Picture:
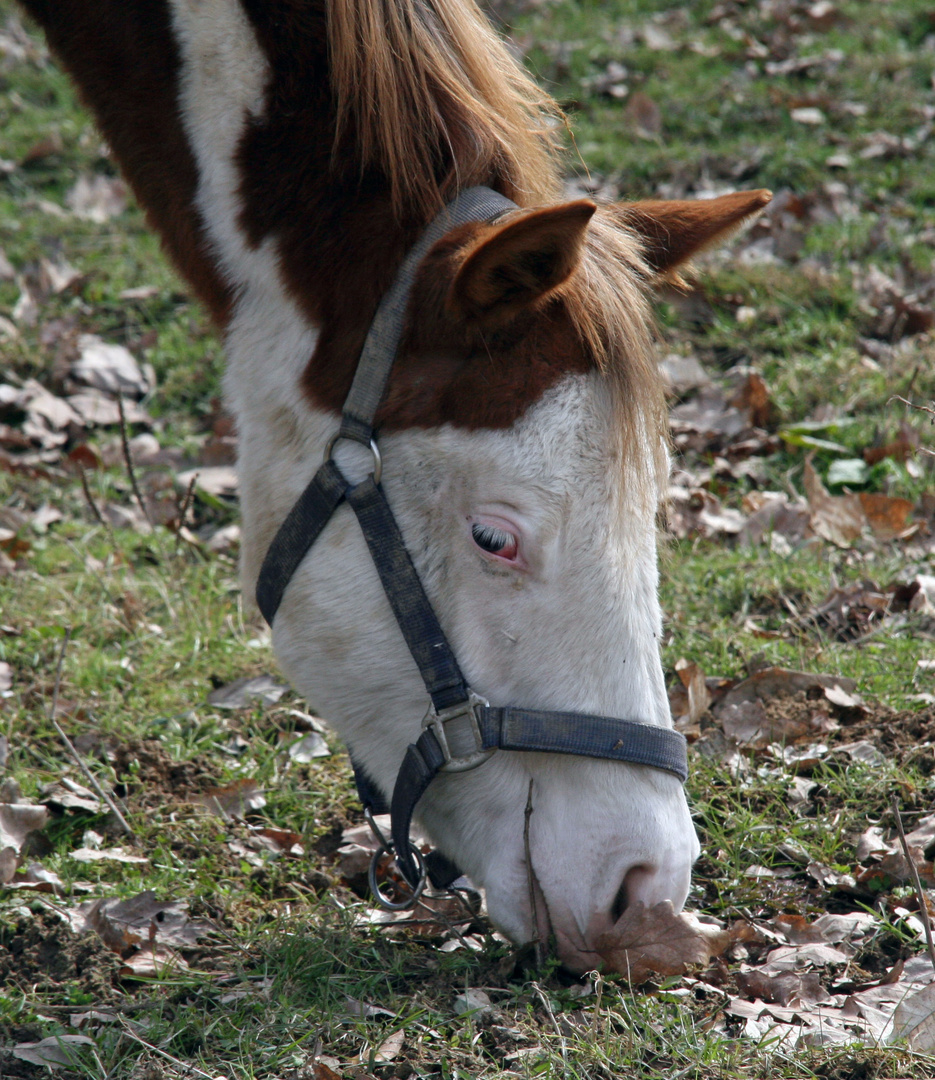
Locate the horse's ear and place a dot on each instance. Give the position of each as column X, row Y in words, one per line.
column 517, row 262
column 672, row 232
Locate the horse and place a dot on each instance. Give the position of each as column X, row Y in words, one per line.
column 290, row 153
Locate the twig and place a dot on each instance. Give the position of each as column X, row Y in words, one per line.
column 923, row 906
column 128, row 458
column 558, row 1031
column 89, row 498
column 92, row 779
column 598, row 980
column 183, row 510
column 529, row 878
column 155, row 1049
column 930, row 409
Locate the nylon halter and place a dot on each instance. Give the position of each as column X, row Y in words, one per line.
column 461, row 730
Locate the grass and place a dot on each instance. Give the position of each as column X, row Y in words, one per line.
column 154, row 624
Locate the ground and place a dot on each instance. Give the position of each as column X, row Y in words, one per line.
column 225, row 933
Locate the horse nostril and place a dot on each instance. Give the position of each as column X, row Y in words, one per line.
column 633, row 885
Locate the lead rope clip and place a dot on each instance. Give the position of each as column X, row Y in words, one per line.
column 385, row 847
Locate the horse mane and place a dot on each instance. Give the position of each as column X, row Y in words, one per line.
column 433, row 97
column 427, row 92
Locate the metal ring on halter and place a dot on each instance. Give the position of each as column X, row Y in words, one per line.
column 374, row 450
column 384, row 901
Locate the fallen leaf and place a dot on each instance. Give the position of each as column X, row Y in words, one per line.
column 108, row 367
column 645, row 116
column 914, row 1021
column 837, row 518
column 114, row 854
column 65, row 794
column 795, row 989
column 17, row 821
column 697, row 697
column 475, row 1002
column 242, row 693
column 219, row 481
column 657, row 941
column 97, row 198
column 308, row 748
column 233, row 800
column 389, row 1049
column 54, row 1052
column 887, row 516
column 124, row 924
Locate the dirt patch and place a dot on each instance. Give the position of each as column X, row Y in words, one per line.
column 150, row 776
column 906, row 735
column 42, row 953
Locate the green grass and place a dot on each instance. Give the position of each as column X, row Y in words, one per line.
column 268, row 990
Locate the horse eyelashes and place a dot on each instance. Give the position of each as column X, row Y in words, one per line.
column 490, row 538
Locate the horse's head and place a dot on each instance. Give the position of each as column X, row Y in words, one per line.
column 524, row 457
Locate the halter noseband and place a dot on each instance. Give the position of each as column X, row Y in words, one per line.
column 461, row 730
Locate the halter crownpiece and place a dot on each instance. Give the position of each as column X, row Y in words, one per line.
column 461, row 730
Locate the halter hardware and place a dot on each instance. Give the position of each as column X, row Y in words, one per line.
column 458, row 727
column 461, row 730
column 371, row 444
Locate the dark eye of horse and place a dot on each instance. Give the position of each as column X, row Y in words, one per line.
column 491, row 539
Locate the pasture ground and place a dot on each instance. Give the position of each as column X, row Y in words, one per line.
column 832, row 106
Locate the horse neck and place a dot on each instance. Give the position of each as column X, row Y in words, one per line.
column 226, row 139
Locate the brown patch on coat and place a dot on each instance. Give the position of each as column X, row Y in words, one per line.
column 123, row 57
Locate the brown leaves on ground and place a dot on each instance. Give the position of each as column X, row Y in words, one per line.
column 648, row 941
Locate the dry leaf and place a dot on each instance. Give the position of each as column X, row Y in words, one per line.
column 243, row 693
column 152, row 962
column 54, row 1052
column 914, row 1021
column 97, row 198
column 114, row 854
column 887, row 516
column 66, row 794
column 17, row 821
column 645, row 116
column 217, row 480
column 697, row 697
column 108, row 367
column 125, row 924
column 390, row 1048
column 657, row 941
column 839, row 519
column 233, row 800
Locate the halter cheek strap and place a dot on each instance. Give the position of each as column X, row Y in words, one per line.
column 460, row 730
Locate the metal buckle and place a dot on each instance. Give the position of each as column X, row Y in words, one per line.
column 374, row 450
column 386, row 848
column 436, row 721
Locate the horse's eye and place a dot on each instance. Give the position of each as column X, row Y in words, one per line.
column 493, row 540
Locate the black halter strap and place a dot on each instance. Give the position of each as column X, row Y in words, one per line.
column 461, row 730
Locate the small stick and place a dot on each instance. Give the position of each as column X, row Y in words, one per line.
column 95, row 509
column 71, row 747
column 128, row 458
column 529, row 877
column 183, row 510
column 923, row 907
column 89, row 498
column 155, row 1049
column 558, row 1031
column 930, row 409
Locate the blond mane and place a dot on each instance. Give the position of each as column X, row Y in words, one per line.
column 411, row 76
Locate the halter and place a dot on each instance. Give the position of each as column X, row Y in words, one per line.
column 461, row 730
